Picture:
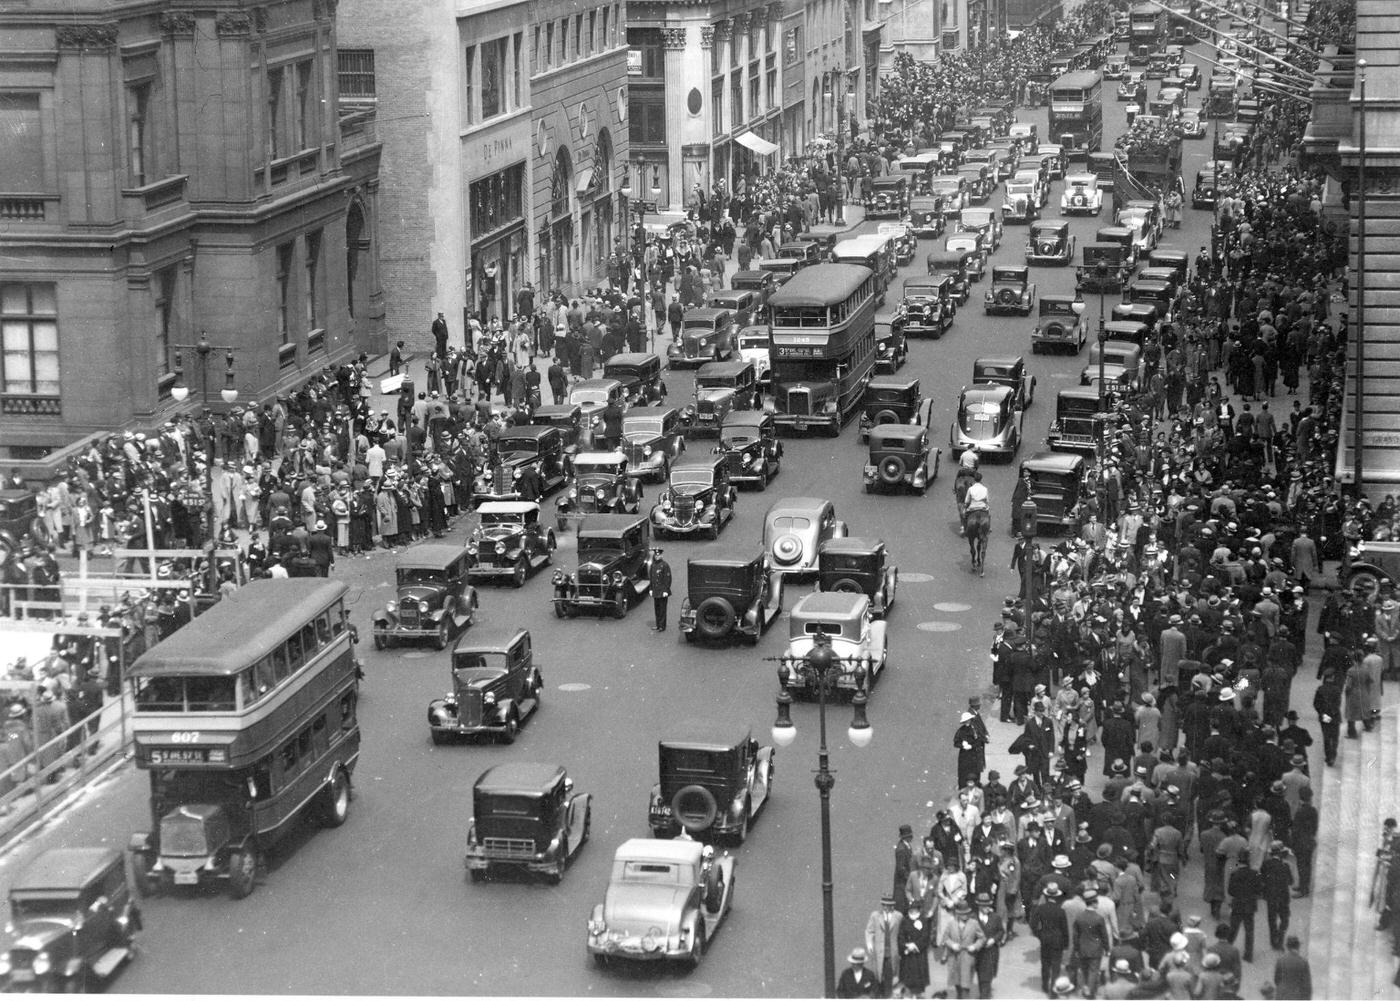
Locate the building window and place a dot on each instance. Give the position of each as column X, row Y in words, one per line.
column 22, row 151
column 646, row 118
column 497, row 201
column 29, row 340
column 165, row 319
column 312, row 289
column 792, row 47
column 755, row 106
column 493, row 65
column 140, row 134
column 605, row 40
column 469, row 86
column 771, row 73
column 274, row 114
column 284, row 292
column 579, row 43
column 355, row 69
column 736, row 100
column 950, row 39
column 517, row 100
column 717, row 106
column 592, row 45
column 306, row 107
column 548, row 45
column 536, row 56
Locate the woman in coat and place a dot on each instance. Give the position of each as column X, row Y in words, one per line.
column 959, row 941
column 913, row 952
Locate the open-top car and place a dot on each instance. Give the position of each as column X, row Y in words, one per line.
column 699, row 500
column 1082, row 195
column 927, row 307
column 710, row 788
column 891, row 347
column 1104, row 269
column 859, row 566
column 857, row 640
column 987, row 420
column 652, row 439
column 755, row 346
column 720, row 387
column 496, row 687
column 1007, row 370
column 901, row 458
column 640, row 375
column 526, row 816
column 794, row 529
column 890, row 399
column 974, row 251
column 1050, row 243
column 952, row 265
column 706, row 335
column 1012, row 292
column 1057, row 484
column 509, row 541
column 750, row 446
column 72, row 922
column 1060, row 326
column 614, row 566
column 665, row 901
column 516, row 448
column 433, row 599
column 984, row 221
column 600, row 483
column 725, row 597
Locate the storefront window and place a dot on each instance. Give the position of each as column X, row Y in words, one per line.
column 498, row 200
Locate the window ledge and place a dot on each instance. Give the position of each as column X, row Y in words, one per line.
column 286, row 355
column 31, row 406
column 316, row 340
column 159, row 193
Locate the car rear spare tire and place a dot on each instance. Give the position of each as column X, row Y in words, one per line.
column 1054, row 330
column 714, row 618
column 892, row 469
column 847, row 585
column 695, row 808
column 887, row 417
column 1007, row 296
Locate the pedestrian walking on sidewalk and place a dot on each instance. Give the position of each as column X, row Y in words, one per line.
column 1292, row 974
column 1327, row 701
column 1245, row 889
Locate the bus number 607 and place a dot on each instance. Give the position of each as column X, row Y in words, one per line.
column 185, row 737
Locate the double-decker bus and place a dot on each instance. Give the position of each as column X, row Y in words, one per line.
column 1076, row 113
column 243, row 719
column 823, row 345
column 1147, row 24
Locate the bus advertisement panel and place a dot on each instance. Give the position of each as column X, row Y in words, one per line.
column 823, row 345
column 1076, row 113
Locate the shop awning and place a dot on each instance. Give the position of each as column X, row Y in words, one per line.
column 585, row 180
column 758, row 144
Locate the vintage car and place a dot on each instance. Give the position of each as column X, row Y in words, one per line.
column 726, row 597
column 72, row 923
column 928, row 306
column 1012, row 292
column 1029, row 134
column 985, row 222
column 1115, row 67
column 859, row 566
column 700, row 498
column 496, row 687
column 950, row 265
column 991, row 159
column 952, row 190
column 888, row 197
column 1190, row 75
column 927, row 217
column 794, row 529
column 1054, row 161
column 902, row 238
column 1082, row 195
column 719, row 388
column 1102, row 165
column 760, row 283
column 1060, row 325
column 1103, row 269
column 652, row 438
column 1049, row 243
column 599, row 483
column 433, row 597
column 592, row 396
column 509, row 541
column 1124, row 237
column 781, row 268
column 1370, row 566
column 706, row 335
column 1057, row 483
column 856, row 638
column 988, row 420
column 517, row 447
column 1007, row 370
column 809, row 252
column 974, row 251
column 889, row 400
column 568, row 418
column 1073, row 429
column 1134, row 331
column 19, row 516
column 710, row 788
column 640, row 375
column 1129, row 84
column 891, row 347
column 901, row 458
column 749, row 443
column 980, row 181
column 614, row 566
column 1169, row 261
column 526, row 816
column 665, row 901
column 1221, row 99
column 743, row 303
column 1136, row 314
column 1122, row 364
column 1156, row 292
column 950, row 151
column 1213, row 175
column 1248, row 111
column 754, row 345
column 1192, row 123
column 1009, row 159
column 1022, row 202
column 1138, row 223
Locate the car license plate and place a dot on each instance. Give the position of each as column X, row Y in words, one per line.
column 800, row 425
column 21, row 976
column 186, row 879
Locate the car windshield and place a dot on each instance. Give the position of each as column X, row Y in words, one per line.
column 1052, row 308
column 409, row 576
column 590, row 546
column 754, row 342
column 642, row 425
column 703, row 324
column 597, row 468
column 977, row 217
column 512, row 806
column 521, row 444
column 475, row 660
column 830, row 628
column 991, row 373
column 716, row 381
column 502, row 518
column 23, row 909
column 583, row 396
column 692, row 477
column 1018, row 188
column 1011, row 276
column 738, row 437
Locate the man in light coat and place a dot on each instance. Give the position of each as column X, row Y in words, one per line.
column 959, row 941
column 881, row 943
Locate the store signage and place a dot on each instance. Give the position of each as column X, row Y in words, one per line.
column 634, row 62
column 501, row 147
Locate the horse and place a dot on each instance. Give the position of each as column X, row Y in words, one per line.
column 967, row 475
column 978, row 526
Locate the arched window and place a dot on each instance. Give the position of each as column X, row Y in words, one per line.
column 356, row 247
column 560, row 183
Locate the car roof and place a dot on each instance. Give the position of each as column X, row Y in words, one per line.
column 852, row 544
column 1078, row 178
column 1060, row 297
column 556, row 409
column 1114, row 231
column 639, row 357
column 797, row 505
column 986, row 392
column 661, row 411
column 64, row 869
column 1080, row 393
column 502, row 507
column 891, row 382
column 610, row 524
column 707, row 462
column 821, row 604
column 1053, row 462
column 899, row 432
column 519, row 777
column 889, row 181
column 707, row 736
column 599, row 457
column 1050, row 224
column 707, row 312
column 723, row 367
column 1010, row 361
column 659, row 850
column 596, row 383
column 747, row 418
column 1134, row 325
column 528, row 431
column 429, row 557
column 1020, row 269
column 489, row 639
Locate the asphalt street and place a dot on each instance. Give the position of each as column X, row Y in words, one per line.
column 381, row 905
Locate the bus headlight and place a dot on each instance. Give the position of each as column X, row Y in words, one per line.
column 43, row 963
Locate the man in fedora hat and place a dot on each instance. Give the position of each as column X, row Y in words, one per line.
column 1050, row 926
column 856, row 981
column 960, row 940
column 882, row 942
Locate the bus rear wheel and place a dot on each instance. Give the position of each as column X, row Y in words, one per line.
column 335, row 802
column 242, row 868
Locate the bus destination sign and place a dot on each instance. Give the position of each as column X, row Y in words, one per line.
column 186, row 755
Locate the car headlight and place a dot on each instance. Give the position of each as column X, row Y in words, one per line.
column 557, row 578
column 829, row 407
column 500, row 547
column 4, row 964
column 600, row 493
column 699, row 506
column 489, row 698
column 391, row 607
column 646, row 452
column 651, row 941
column 515, row 475
column 573, row 491
column 43, row 963
column 472, row 547
column 597, row 927
column 666, row 503
column 618, row 579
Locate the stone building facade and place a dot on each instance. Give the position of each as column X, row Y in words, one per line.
column 171, row 170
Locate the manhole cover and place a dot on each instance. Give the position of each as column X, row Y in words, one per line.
column 574, row 686
column 915, row 578
column 940, row 627
column 415, row 655
column 951, row 606
column 685, row 989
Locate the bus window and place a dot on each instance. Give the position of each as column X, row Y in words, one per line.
column 323, row 628
column 338, row 618
column 265, row 676
column 309, row 643
column 161, row 695
column 294, row 654
column 247, row 689
column 319, row 741
column 304, row 743
column 280, row 668
column 347, row 711
column 288, row 759
column 210, row 695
